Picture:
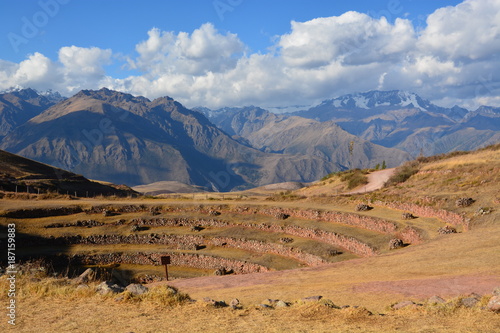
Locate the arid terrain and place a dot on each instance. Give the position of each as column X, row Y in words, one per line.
column 338, row 255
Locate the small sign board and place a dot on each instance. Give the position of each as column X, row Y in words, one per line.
column 165, row 260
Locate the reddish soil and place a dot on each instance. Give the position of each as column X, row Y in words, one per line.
column 261, row 283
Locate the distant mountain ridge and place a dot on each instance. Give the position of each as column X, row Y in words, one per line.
column 122, row 138
column 404, row 120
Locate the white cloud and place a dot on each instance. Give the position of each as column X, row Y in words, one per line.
column 352, row 38
column 205, row 50
column 454, row 59
column 470, row 31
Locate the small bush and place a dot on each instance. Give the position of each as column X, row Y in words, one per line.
column 354, row 178
column 404, row 172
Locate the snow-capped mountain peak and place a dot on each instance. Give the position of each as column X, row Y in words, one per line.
column 375, row 99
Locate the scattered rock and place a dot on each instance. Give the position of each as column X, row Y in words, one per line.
column 265, row 306
column 404, row 304
column 312, row 298
column 197, row 228
column 155, row 211
column 436, row 300
column 496, row 291
column 214, row 213
column 281, row 216
column 484, row 211
column 82, row 287
column 408, row 216
column 363, row 208
column 137, row 289
column 85, row 276
column 464, row 202
column 395, row 243
column 270, row 301
column 471, row 301
column 235, row 304
column 217, row 304
column 281, row 304
column 107, row 287
column 334, row 253
column 286, row 240
column 447, row 230
column 494, row 304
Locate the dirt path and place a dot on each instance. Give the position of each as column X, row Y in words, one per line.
column 376, row 180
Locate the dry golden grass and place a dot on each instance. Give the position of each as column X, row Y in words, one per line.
column 53, row 305
column 445, row 265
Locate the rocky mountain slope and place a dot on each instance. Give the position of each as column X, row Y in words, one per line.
column 297, row 135
column 120, row 138
column 403, row 120
column 27, row 176
column 19, row 106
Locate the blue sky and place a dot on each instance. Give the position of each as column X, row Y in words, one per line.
column 240, row 52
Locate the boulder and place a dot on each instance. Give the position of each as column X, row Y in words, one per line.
column 408, row 216
column 470, row 301
column 281, row 304
column 363, row 208
column 281, row 216
column 464, row 202
column 235, row 304
column 312, row 298
column 447, row 230
column 395, row 243
column 137, row 289
column 404, row 304
column 494, row 304
column 436, row 300
column 85, row 276
column 107, row 287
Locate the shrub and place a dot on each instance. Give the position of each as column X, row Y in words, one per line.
column 404, row 172
column 354, row 178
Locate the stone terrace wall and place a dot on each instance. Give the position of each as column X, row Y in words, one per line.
column 425, row 211
column 357, row 220
column 176, row 259
column 350, row 244
column 410, row 235
column 192, row 242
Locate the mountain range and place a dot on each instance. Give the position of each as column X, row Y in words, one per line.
column 126, row 139
column 392, row 119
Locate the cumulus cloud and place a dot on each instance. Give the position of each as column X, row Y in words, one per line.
column 453, row 59
column 352, row 38
column 203, row 51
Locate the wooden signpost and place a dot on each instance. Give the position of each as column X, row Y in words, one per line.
column 165, row 260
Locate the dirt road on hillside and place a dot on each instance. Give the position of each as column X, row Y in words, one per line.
column 376, row 180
